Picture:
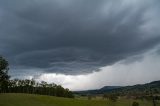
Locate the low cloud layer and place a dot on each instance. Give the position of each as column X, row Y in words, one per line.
column 75, row 37
column 139, row 71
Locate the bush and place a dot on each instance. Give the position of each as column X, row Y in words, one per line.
column 89, row 97
column 111, row 97
column 135, row 104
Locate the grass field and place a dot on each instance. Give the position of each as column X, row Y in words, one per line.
column 39, row 100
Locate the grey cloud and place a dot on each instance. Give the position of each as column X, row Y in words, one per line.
column 75, row 37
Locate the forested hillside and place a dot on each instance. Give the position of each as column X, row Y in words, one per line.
column 140, row 89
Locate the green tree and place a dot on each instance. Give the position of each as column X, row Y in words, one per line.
column 4, row 77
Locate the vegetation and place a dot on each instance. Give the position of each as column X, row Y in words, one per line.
column 143, row 95
column 28, row 86
column 135, row 104
column 143, row 89
column 42, row 100
column 111, row 97
column 33, row 87
column 4, row 77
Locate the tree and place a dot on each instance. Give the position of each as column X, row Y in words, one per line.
column 28, row 86
column 4, row 77
column 60, row 91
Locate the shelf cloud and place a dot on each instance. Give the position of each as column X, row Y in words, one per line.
column 74, row 37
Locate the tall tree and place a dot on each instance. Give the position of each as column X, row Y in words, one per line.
column 4, row 77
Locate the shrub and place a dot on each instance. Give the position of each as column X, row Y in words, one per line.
column 135, row 104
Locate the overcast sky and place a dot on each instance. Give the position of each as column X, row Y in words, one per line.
column 82, row 44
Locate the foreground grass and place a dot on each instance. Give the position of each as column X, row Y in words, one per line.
column 39, row 100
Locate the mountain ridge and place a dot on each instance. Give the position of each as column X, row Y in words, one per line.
column 138, row 88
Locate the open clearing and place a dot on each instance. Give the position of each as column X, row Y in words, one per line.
column 40, row 100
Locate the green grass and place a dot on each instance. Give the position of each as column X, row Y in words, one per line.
column 39, row 100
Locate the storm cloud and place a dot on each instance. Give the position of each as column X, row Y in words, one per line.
column 76, row 36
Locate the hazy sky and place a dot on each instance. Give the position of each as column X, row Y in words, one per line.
column 82, row 44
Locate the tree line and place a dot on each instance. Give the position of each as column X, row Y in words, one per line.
column 29, row 86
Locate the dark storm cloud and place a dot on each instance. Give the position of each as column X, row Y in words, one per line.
column 76, row 36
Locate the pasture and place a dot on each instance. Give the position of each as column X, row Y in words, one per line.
column 12, row 99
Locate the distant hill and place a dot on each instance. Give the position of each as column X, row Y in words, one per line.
column 124, row 90
column 108, row 88
column 98, row 91
column 146, row 89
